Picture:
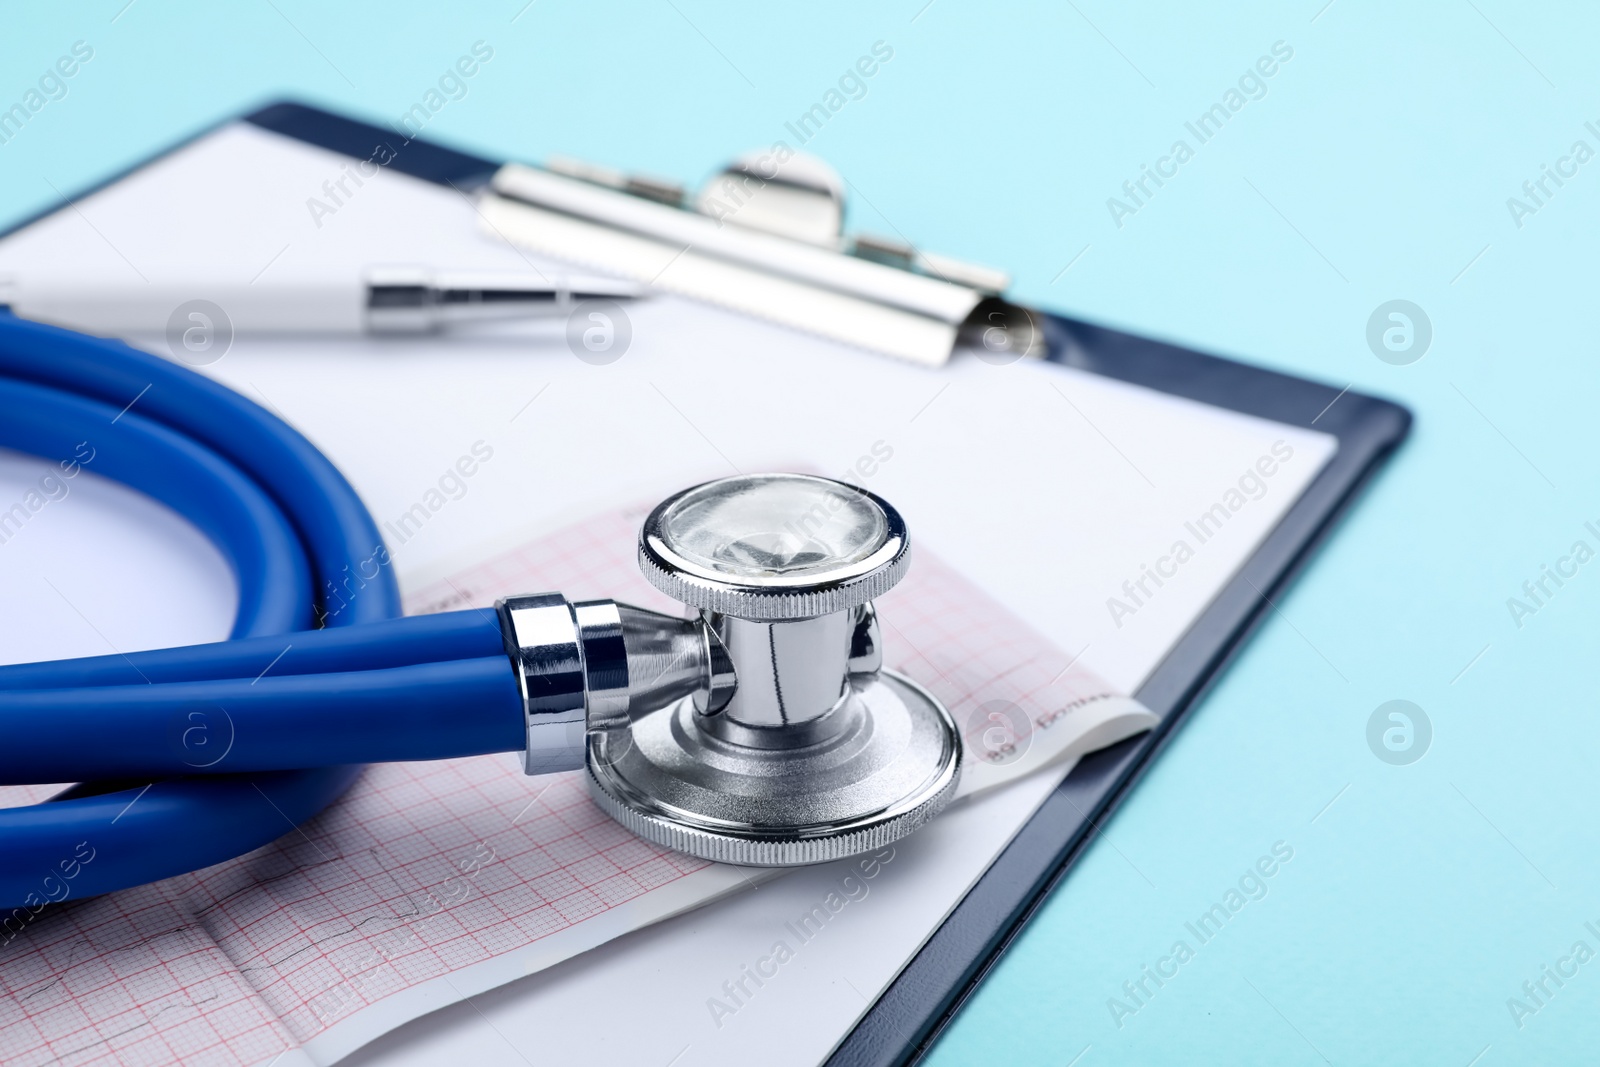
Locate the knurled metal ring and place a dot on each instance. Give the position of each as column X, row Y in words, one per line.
column 776, row 597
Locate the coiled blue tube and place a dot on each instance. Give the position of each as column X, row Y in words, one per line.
column 291, row 528
column 254, row 536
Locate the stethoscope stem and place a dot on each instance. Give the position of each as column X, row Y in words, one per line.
column 370, row 646
column 425, row 687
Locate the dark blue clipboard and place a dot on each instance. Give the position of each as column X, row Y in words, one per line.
column 908, row 1017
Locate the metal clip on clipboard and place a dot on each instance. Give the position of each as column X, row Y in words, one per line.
column 767, row 240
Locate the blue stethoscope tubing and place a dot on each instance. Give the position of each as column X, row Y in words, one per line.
column 192, row 756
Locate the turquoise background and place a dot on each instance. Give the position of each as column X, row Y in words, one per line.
column 1377, row 166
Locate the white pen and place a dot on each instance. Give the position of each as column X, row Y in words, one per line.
column 382, row 300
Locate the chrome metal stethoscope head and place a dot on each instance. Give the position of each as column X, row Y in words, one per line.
column 764, row 730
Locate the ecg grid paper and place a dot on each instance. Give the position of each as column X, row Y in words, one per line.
column 429, row 882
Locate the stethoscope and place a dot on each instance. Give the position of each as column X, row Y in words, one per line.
column 761, row 729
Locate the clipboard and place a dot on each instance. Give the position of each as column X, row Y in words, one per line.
column 908, row 1016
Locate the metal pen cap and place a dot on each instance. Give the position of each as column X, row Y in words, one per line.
column 403, row 299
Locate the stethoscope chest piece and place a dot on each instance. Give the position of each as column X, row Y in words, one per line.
column 766, row 731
